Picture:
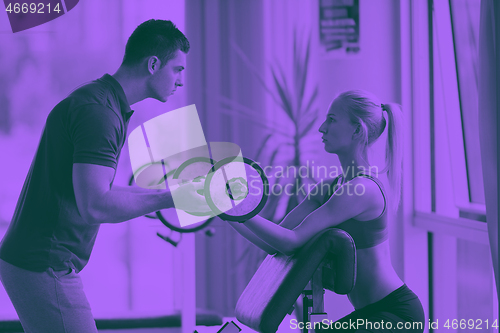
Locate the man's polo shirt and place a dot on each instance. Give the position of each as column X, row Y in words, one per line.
column 47, row 230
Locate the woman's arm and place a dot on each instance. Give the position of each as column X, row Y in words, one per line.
column 291, row 220
column 340, row 207
column 249, row 235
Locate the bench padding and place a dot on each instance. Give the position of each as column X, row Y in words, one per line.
column 280, row 279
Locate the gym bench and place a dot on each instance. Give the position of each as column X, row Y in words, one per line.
column 328, row 261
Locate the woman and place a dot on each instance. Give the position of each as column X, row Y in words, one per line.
column 354, row 121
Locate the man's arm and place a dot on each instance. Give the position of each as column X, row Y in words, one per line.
column 98, row 203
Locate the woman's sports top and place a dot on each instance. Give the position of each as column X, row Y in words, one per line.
column 367, row 233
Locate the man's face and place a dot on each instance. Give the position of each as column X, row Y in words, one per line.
column 164, row 81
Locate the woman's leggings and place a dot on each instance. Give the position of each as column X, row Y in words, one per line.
column 49, row 301
column 400, row 311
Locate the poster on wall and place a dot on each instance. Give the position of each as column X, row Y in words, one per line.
column 339, row 27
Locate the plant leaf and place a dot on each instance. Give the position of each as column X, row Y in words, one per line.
column 312, row 99
column 261, row 149
column 284, row 96
column 254, row 71
column 273, row 156
column 303, row 77
column 226, row 108
column 297, row 69
column 307, row 128
column 295, row 51
column 233, row 105
column 288, row 91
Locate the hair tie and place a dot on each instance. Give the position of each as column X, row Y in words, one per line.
column 383, row 107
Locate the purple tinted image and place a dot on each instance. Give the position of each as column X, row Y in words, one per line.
column 375, row 118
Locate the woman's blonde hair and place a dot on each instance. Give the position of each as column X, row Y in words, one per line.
column 366, row 110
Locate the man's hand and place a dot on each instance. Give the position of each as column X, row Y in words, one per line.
column 189, row 197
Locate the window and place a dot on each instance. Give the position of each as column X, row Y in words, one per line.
column 455, row 161
column 449, row 199
column 465, row 25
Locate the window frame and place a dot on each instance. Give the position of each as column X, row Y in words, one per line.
column 435, row 153
column 443, row 232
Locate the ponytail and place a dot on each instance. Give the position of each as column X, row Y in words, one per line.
column 365, row 109
column 394, row 150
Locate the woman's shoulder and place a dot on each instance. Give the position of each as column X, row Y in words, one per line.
column 365, row 184
column 358, row 197
column 369, row 191
column 371, row 183
column 324, row 189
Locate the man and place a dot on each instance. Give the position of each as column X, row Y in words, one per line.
column 69, row 189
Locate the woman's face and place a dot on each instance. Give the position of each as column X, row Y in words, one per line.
column 337, row 130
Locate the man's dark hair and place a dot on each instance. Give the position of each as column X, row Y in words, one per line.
column 154, row 38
